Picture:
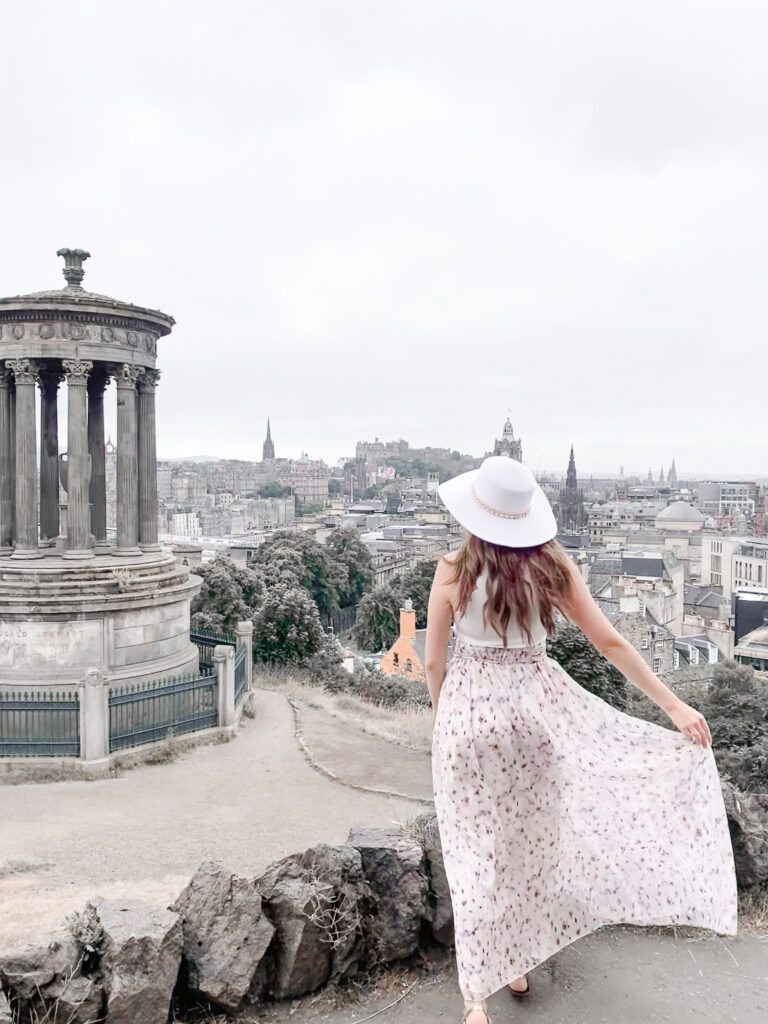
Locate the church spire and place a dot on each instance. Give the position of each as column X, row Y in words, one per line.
column 268, row 450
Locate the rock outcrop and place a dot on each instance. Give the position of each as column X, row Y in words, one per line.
column 394, row 865
column 39, row 979
column 225, row 935
column 748, row 824
column 139, row 960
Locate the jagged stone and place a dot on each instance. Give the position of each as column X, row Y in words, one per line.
column 345, row 900
column 748, row 823
column 47, row 980
column 394, row 865
column 140, row 959
column 300, row 953
column 225, row 934
column 5, row 1009
column 439, row 907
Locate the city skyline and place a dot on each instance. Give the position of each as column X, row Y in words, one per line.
column 539, row 208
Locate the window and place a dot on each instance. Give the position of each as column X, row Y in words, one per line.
column 408, row 665
column 644, row 642
column 657, row 665
column 659, row 645
column 677, row 659
column 395, row 659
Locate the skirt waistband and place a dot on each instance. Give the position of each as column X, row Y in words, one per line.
column 504, row 655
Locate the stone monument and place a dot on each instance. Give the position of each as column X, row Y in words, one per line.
column 70, row 599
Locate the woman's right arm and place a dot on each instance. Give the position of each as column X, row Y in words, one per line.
column 582, row 609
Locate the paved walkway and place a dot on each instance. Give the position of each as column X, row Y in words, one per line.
column 616, row 975
column 247, row 803
column 357, row 758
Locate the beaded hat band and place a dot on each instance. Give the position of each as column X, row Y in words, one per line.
column 495, row 511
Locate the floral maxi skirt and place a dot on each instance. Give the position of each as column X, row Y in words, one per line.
column 559, row 814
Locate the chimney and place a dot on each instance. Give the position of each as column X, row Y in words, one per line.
column 407, row 621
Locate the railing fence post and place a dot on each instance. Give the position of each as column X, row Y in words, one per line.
column 244, row 634
column 94, row 720
column 224, row 666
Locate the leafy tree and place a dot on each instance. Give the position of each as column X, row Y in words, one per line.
column 378, row 618
column 584, row 663
column 308, row 509
column 731, row 676
column 335, row 487
column 274, row 490
column 349, row 551
column 417, row 584
column 320, row 574
column 230, row 594
column 287, row 627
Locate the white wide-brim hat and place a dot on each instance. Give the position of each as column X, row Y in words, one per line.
column 501, row 502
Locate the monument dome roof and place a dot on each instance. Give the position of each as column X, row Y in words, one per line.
column 73, row 298
column 680, row 512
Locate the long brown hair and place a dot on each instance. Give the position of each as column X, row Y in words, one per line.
column 515, row 577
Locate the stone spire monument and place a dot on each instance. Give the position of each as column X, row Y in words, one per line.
column 69, row 597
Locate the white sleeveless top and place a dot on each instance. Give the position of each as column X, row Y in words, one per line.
column 470, row 629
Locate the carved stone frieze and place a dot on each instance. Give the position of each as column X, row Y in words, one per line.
column 66, row 330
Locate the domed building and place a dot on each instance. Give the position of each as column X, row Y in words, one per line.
column 679, row 515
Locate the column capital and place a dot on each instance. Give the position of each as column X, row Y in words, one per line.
column 127, row 375
column 23, row 370
column 77, row 370
column 149, row 380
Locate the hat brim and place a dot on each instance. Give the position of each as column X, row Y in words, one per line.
column 537, row 527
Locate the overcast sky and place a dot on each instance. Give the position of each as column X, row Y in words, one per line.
column 403, row 218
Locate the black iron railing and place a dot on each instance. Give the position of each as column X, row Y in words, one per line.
column 45, row 724
column 206, row 639
column 146, row 712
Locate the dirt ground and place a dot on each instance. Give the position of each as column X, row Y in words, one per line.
column 246, row 803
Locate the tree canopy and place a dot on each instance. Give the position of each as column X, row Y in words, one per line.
column 229, row 594
column 584, row 663
column 319, row 573
column 349, row 552
column 378, row 618
column 287, row 627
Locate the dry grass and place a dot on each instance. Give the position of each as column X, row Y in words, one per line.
column 410, row 727
column 32, row 915
column 753, row 911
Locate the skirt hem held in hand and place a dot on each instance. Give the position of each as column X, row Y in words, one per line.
column 559, row 814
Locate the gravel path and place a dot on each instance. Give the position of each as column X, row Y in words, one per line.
column 246, row 803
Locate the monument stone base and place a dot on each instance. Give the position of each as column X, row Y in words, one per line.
column 126, row 617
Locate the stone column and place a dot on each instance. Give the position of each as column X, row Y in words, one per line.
column 25, row 375
column 97, row 382
column 49, row 379
column 148, row 462
column 78, row 461
column 224, row 667
column 7, row 443
column 244, row 634
column 127, row 461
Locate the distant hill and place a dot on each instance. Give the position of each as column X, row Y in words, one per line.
column 193, row 458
